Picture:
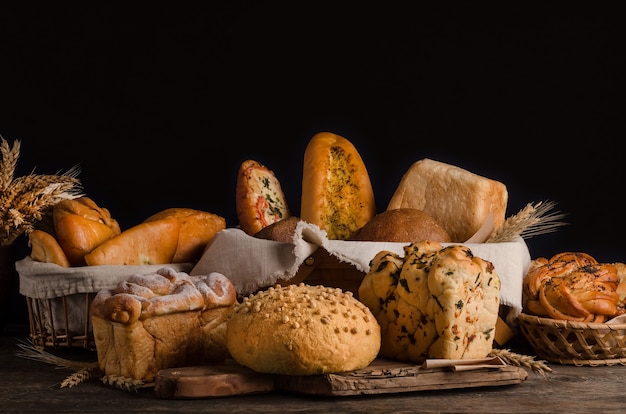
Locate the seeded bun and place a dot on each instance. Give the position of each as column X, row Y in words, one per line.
column 403, row 225
column 302, row 330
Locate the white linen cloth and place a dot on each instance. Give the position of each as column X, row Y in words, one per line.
column 252, row 263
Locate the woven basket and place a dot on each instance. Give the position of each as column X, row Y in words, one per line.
column 575, row 343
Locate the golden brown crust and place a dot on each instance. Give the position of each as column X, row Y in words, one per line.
column 147, row 243
column 302, row 330
column 402, row 225
column 337, row 194
column 45, row 248
column 260, row 200
column 197, row 228
column 81, row 225
column 161, row 320
column 572, row 286
column 459, row 200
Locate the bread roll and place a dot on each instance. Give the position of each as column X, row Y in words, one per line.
column 402, row 225
column 80, row 225
column 572, row 286
column 281, row 231
column 148, row 243
column 260, row 200
column 459, row 200
column 45, row 248
column 337, row 194
column 302, row 330
column 197, row 228
column 161, row 320
column 435, row 302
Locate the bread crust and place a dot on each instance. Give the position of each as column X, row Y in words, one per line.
column 45, row 248
column 337, row 193
column 459, row 200
column 161, row 320
column 197, row 228
column 147, row 243
column 402, row 225
column 302, row 330
column 260, row 200
column 80, row 225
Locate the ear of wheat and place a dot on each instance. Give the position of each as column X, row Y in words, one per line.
column 532, row 220
column 24, row 201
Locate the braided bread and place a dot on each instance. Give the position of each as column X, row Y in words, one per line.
column 572, row 286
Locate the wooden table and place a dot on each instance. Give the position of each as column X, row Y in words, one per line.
column 33, row 386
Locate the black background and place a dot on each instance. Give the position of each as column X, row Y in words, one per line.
column 160, row 105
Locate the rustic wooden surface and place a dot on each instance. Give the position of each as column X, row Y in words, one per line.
column 380, row 377
column 32, row 386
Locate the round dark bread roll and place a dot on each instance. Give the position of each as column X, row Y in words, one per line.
column 302, row 330
column 281, row 231
column 402, row 225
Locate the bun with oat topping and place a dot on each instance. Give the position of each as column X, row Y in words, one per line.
column 302, row 330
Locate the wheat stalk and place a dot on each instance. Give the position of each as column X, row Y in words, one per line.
column 127, row 384
column 532, row 220
column 520, row 360
column 25, row 201
column 84, row 370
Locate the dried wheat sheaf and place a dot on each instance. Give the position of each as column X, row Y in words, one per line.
column 26, row 200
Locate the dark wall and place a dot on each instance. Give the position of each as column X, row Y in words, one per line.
column 159, row 105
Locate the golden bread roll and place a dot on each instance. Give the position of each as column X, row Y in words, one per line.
column 435, row 302
column 161, row 320
column 260, row 200
column 337, row 194
column 45, row 248
column 197, row 228
column 572, row 286
column 80, row 225
column 402, row 225
column 459, row 200
column 148, row 243
column 302, row 330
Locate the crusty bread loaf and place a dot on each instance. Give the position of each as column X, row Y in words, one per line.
column 197, row 228
column 402, row 225
column 435, row 302
column 45, row 248
column 147, row 243
column 80, row 225
column 459, row 200
column 337, row 194
column 260, row 200
column 302, row 330
column 161, row 320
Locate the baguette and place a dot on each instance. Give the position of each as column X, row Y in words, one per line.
column 197, row 228
column 147, row 243
column 337, row 193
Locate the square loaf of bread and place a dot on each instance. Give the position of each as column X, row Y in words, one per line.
column 459, row 200
column 163, row 320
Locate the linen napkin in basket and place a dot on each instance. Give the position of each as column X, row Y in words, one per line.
column 252, row 263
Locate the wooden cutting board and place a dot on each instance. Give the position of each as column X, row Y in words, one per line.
column 380, row 377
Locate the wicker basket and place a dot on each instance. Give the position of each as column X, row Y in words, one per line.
column 54, row 322
column 575, row 343
column 59, row 299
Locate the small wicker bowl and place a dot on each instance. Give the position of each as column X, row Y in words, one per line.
column 575, row 343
